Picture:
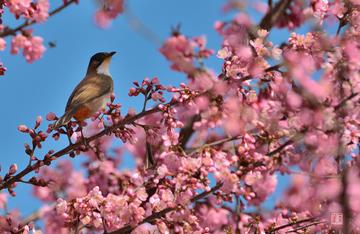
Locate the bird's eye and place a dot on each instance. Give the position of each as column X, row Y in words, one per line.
column 96, row 62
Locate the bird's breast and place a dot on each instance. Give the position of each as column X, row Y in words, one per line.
column 99, row 103
column 89, row 109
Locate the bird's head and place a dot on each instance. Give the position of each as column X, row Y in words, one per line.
column 99, row 63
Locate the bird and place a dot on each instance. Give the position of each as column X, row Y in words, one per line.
column 92, row 93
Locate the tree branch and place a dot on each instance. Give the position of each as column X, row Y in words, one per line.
column 10, row 31
column 343, row 102
column 306, row 226
column 140, row 27
column 290, row 141
column 6, row 183
column 274, row 14
column 344, row 201
column 274, row 230
column 214, row 143
column 269, row 69
column 187, row 131
column 281, row 147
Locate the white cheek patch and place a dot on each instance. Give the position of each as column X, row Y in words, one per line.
column 104, row 67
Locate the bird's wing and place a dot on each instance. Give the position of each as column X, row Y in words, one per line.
column 90, row 88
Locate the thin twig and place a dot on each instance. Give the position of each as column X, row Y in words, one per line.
column 291, row 224
column 146, row 99
column 271, row 17
column 30, row 218
column 150, row 161
column 274, row 14
column 138, row 26
column 306, row 226
column 204, row 194
column 342, row 103
column 9, row 31
column 272, row 68
column 344, row 201
column 281, row 147
column 127, row 120
column 214, row 143
column 342, row 22
column 187, row 131
column 290, row 141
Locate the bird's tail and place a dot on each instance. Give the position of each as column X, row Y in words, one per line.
column 63, row 120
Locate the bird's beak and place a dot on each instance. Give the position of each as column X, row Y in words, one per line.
column 112, row 53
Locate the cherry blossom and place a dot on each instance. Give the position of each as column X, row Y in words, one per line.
column 210, row 153
column 33, row 47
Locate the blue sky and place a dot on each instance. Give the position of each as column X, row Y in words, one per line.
column 29, row 90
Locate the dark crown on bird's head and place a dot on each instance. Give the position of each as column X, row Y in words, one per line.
column 98, row 58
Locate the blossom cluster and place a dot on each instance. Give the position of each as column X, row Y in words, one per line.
column 109, row 10
column 183, row 52
column 208, row 158
column 38, row 11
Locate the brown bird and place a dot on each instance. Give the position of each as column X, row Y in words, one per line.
column 92, row 93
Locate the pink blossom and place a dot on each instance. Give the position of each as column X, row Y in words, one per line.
column 109, row 11
column 23, row 128
column 338, row 8
column 353, row 53
column 179, row 49
column 146, row 228
column 171, row 138
column 162, row 170
column 224, row 53
column 242, row 125
column 3, row 200
column 294, row 16
column 264, row 187
column 261, row 7
column 50, row 116
column 356, row 2
column 294, row 100
column 191, row 164
column 320, row 8
column 212, row 217
column 203, row 81
column 61, row 206
column 32, row 47
column 2, row 69
column 303, row 65
column 42, row 11
column 21, row 7
column 13, row 168
column 38, row 121
column 156, row 96
column 171, row 161
column 252, row 177
column 141, row 194
column 2, row 44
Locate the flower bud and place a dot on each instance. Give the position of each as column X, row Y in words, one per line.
column 51, row 116
column 23, row 128
column 38, row 121
column 13, row 168
column 112, row 97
